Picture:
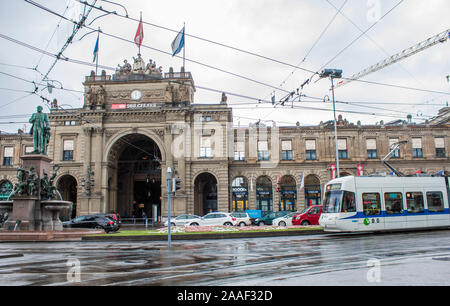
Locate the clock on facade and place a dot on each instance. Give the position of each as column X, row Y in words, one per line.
column 136, row 95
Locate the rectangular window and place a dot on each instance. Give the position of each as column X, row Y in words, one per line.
column 440, row 146
column 414, row 202
column 68, row 150
column 28, row 149
column 263, row 150
column 396, row 153
column 435, row 201
column 371, row 204
column 239, row 151
column 417, row 153
column 286, row 150
column 372, row 154
column 393, row 202
column 342, row 149
column 8, row 154
column 311, row 150
column 417, row 147
column 205, row 147
column 371, row 146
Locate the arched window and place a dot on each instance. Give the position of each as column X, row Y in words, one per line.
column 264, row 194
column 5, row 190
column 288, row 193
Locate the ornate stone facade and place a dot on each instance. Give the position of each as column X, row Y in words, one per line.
column 114, row 151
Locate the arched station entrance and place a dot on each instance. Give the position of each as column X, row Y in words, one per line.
column 67, row 188
column 136, row 176
column 205, row 194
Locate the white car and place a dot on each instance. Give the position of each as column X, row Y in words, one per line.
column 182, row 220
column 242, row 218
column 214, row 219
column 285, row 220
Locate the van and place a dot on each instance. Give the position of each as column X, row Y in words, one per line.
column 309, row 216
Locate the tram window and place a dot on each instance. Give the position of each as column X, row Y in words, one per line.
column 371, row 204
column 414, row 202
column 348, row 202
column 332, row 202
column 393, row 202
column 435, row 202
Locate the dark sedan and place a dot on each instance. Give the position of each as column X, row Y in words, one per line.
column 92, row 221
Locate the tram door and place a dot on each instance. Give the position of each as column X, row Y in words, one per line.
column 370, row 203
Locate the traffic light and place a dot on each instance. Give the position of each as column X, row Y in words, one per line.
column 176, row 184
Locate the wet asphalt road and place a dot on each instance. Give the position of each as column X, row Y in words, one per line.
column 419, row 258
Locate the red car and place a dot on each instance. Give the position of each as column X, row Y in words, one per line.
column 309, row 216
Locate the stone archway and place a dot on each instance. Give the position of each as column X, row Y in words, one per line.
column 68, row 189
column 134, row 176
column 313, row 190
column 288, row 193
column 205, row 194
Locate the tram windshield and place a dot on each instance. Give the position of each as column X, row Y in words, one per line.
column 339, row 201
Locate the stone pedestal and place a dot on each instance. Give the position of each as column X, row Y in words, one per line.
column 34, row 214
column 25, row 209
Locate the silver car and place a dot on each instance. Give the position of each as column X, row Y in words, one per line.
column 182, row 220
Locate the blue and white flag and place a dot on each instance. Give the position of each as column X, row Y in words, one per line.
column 178, row 43
column 96, row 49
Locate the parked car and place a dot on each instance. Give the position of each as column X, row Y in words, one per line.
column 268, row 218
column 113, row 216
column 182, row 220
column 309, row 216
column 285, row 220
column 215, row 219
column 242, row 218
column 93, row 221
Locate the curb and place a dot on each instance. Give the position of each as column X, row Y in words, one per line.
column 204, row 236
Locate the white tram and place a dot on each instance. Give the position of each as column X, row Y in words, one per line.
column 368, row 204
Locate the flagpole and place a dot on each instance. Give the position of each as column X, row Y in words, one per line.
column 184, row 47
column 140, row 23
column 96, row 61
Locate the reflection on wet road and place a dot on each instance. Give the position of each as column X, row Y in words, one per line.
column 407, row 258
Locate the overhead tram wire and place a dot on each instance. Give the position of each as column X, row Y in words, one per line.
column 196, row 37
column 353, row 41
column 312, row 47
column 157, row 50
column 219, row 69
column 161, row 51
column 77, row 26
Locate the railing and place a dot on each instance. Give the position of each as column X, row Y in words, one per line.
column 146, row 222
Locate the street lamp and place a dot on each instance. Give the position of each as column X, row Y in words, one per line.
column 333, row 73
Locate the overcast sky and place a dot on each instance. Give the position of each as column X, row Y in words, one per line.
column 280, row 30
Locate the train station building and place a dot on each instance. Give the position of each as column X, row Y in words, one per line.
column 114, row 152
